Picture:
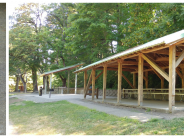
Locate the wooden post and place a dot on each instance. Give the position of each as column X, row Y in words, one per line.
column 76, row 82
column 140, row 81
column 68, row 82
column 119, row 80
column 51, row 81
column 45, row 84
column 93, row 83
column 134, row 80
column 172, row 74
column 85, row 82
column 146, row 75
column 104, row 82
column 182, row 77
column 162, row 83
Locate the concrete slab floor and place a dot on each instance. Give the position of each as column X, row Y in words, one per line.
column 152, row 104
column 3, row 68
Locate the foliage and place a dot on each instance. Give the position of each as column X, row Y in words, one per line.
column 71, row 33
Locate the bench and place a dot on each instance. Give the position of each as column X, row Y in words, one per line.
column 150, row 91
column 96, row 93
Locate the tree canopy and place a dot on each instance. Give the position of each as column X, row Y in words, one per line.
column 51, row 36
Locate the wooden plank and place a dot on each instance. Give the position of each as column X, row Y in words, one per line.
column 140, row 81
column 156, row 67
column 165, row 52
column 172, row 57
column 93, row 83
column 104, row 82
column 119, row 81
column 163, row 59
column 134, row 80
column 114, row 69
column 85, row 81
column 151, row 69
column 128, row 81
column 179, row 59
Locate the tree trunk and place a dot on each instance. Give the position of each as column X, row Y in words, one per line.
column 34, row 77
column 17, row 83
column 24, row 82
column 64, row 82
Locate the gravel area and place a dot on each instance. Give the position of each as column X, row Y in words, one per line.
column 2, row 69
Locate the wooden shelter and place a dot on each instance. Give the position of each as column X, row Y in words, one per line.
column 155, row 56
column 59, row 70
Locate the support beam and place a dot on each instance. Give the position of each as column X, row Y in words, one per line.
column 51, row 81
column 85, row 82
column 140, row 81
column 97, row 76
column 161, row 78
column 89, row 83
column 119, row 80
column 76, row 82
column 182, row 77
column 68, row 82
column 104, row 82
column 179, row 59
column 128, row 81
column 172, row 74
column 134, row 80
column 93, row 83
column 45, row 84
column 182, row 70
column 179, row 73
column 156, row 67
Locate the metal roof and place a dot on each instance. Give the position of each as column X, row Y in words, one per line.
column 163, row 40
column 61, row 69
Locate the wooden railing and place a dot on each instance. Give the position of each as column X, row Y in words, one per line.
column 127, row 93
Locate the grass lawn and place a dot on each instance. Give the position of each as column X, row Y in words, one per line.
column 10, row 94
column 64, row 118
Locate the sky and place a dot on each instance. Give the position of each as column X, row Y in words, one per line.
column 11, row 7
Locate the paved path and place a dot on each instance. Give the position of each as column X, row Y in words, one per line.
column 78, row 99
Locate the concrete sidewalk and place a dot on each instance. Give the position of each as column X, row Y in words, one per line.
column 132, row 113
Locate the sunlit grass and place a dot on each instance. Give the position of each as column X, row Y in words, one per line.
column 64, row 118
